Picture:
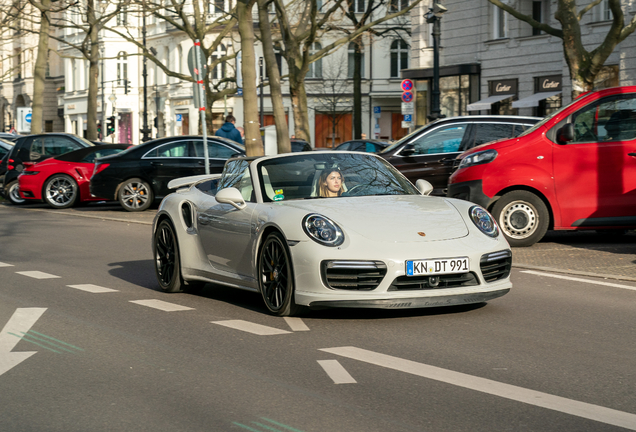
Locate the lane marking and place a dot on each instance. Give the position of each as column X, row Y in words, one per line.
column 20, row 322
column 5, row 265
column 336, row 372
column 579, row 280
column 265, row 426
column 161, row 305
column 519, row 394
column 92, row 288
column 296, row 324
column 37, row 275
column 249, row 327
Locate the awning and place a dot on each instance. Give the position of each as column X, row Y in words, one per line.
column 533, row 101
column 485, row 104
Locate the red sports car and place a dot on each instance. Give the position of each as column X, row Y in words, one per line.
column 63, row 181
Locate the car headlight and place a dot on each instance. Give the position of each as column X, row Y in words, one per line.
column 322, row 230
column 482, row 157
column 482, row 219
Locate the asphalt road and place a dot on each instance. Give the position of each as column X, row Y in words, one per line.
column 109, row 352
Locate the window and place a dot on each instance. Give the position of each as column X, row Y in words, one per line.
column 610, row 119
column 399, row 57
column 122, row 68
column 71, row 81
column 537, row 15
column 357, row 6
column 179, row 59
column 51, row 146
column 352, row 59
column 486, row 132
column 220, row 6
column 177, row 149
column 315, row 68
column 602, row 12
column 444, row 139
column 398, row 5
column 122, row 17
column 219, row 70
column 500, row 23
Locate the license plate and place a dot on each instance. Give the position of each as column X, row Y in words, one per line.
column 437, row 266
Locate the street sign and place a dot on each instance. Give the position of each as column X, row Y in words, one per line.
column 407, row 85
column 406, row 125
column 239, row 91
column 377, row 112
column 179, row 118
column 407, row 96
column 192, row 64
column 27, row 118
column 408, row 108
column 408, row 118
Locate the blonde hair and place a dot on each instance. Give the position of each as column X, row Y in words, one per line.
column 323, row 191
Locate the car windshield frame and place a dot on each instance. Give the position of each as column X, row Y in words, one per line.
column 296, row 177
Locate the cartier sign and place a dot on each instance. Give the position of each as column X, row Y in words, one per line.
column 503, row 87
column 549, row 83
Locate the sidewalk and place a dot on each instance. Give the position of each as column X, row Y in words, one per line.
column 585, row 253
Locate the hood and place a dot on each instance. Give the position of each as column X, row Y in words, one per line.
column 496, row 145
column 392, row 219
column 227, row 127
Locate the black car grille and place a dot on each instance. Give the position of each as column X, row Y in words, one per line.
column 352, row 275
column 404, row 283
column 496, row 265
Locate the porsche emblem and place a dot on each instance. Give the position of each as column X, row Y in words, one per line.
column 421, row 234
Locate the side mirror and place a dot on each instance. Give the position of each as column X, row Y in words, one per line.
column 565, row 134
column 231, row 196
column 408, row 150
column 424, row 187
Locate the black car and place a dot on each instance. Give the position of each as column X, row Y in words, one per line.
column 298, row 145
column 31, row 149
column 429, row 152
column 363, row 145
column 140, row 174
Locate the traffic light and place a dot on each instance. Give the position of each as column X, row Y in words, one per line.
column 99, row 130
column 110, row 126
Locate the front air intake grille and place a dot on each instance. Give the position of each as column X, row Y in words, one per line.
column 352, row 275
column 496, row 265
column 404, row 283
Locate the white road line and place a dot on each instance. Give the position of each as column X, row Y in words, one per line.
column 92, row 288
column 161, row 305
column 296, row 324
column 37, row 275
column 520, row 394
column 579, row 279
column 249, row 327
column 336, row 372
column 5, row 265
column 20, row 323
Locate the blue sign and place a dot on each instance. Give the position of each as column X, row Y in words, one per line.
column 27, row 118
column 239, row 91
column 179, row 117
column 408, row 117
column 377, row 110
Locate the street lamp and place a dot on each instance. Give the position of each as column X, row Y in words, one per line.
column 146, row 131
column 434, row 16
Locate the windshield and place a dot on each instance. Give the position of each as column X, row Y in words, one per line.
column 407, row 138
column 85, row 141
column 556, row 113
column 308, row 176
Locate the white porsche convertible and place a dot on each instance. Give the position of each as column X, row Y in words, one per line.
column 327, row 229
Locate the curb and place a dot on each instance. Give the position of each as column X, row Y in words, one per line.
column 574, row 272
column 92, row 216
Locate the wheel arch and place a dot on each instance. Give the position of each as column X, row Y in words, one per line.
column 265, row 232
column 526, row 188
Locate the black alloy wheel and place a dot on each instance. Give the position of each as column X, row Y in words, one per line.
column 60, row 191
column 275, row 277
column 135, row 195
column 167, row 262
column 12, row 192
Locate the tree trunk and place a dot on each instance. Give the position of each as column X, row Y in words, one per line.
column 253, row 141
column 93, row 73
column 299, row 106
column 357, row 92
column 273, row 76
column 39, row 72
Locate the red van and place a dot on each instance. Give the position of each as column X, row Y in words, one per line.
column 574, row 170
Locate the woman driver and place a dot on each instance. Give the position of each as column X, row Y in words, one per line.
column 331, row 183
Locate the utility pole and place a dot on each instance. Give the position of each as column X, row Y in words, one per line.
column 145, row 130
column 434, row 16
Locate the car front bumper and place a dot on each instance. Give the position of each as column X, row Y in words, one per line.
column 469, row 191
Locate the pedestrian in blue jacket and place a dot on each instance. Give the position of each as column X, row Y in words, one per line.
column 228, row 130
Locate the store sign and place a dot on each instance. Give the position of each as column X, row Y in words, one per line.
column 550, row 83
column 503, row 87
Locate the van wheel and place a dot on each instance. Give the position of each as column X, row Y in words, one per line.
column 522, row 217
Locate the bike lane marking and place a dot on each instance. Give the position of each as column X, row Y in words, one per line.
column 5, row 265
column 92, row 288
column 38, row 275
column 161, row 305
column 296, row 324
column 19, row 323
column 496, row 388
column 574, row 279
column 246, row 326
column 336, row 372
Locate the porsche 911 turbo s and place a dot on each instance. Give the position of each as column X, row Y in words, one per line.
column 327, row 229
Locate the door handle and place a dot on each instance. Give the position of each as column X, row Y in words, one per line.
column 203, row 220
column 631, row 154
column 156, row 163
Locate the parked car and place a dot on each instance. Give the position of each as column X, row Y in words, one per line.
column 9, row 136
column 5, row 149
column 139, row 175
column 63, row 181
column 298, row 145
column 31, row 149
column 263, row 226
column 363, row 145
column 574, row 170
column 428, row 153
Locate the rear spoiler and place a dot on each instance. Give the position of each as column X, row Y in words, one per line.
column 189, row 181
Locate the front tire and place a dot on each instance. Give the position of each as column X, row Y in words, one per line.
column 135, row 195
column 167, row 261
column 13, row 193
column 60, row 191
column 276, row 277
column 523, row 218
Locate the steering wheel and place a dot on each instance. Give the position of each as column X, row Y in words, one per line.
column 353, row 189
